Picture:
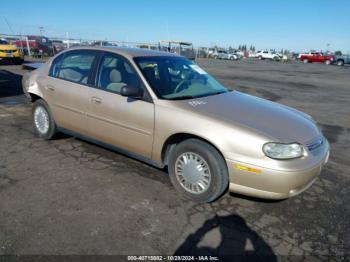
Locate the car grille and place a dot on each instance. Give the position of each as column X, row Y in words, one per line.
column 8, row 51
column 314, row 144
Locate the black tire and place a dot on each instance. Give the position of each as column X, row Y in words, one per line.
column 327, row 62
column 217, row 166
column 52, row 130
column 306, row 61
column 340, row 62
column 260, row 57
column 19, row 61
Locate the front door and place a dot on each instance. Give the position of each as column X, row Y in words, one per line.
column 117, row 120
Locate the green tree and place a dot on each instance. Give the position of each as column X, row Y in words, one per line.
column 338, row 52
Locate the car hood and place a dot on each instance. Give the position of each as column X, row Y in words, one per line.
column 8, row 47
column 275, row 121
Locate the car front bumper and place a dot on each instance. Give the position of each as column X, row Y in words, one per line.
column 264, row 182
column 3, row 58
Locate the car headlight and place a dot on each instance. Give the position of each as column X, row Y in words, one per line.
column 283, row 151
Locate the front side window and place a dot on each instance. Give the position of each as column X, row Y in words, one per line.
column 73, row 66
column 115, row 72
column 176, row 78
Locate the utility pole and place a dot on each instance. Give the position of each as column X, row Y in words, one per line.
column 41, row 29
column 28, row 47
column 8, row 24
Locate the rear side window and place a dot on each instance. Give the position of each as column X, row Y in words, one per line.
column 73, row 66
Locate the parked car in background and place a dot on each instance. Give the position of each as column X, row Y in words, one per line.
column 239, row 54
column 342, row 60
column 164, row 109
column 252, row 54
column 178, row 47
column 10, row 52
column 317, row 58
column 302, row 54
column 39, row 45
column 222, row 54
column 58, row 46
column 267, row 55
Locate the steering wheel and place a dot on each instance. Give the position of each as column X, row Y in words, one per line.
column 179, row 85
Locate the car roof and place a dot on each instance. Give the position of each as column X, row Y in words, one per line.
column 126, row 51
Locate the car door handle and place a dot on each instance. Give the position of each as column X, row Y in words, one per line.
column 50, row 88
column 96, row 100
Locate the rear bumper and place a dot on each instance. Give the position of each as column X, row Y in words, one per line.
column 273, row 184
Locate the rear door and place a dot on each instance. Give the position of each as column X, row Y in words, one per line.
column 117, row 120
column 67, row 88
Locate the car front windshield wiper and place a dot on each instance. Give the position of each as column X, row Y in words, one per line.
column 212, row 94
column 199, row 96
column 181, row 98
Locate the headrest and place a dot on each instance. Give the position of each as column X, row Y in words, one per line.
column 115, row 76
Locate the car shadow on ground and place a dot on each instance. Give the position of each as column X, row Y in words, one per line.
column 236, row 241
column 10, row 84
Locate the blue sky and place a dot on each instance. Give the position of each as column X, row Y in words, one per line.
column 295, row 25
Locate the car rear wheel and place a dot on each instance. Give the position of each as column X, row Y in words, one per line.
column 306, row 61
column 340, row 62
column 198, row 171
column 260, row 57
column 44, row 125
column 327, row 62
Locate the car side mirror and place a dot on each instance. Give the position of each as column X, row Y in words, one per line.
column 131, row 91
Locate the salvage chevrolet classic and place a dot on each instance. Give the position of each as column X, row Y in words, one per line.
column 165, row 110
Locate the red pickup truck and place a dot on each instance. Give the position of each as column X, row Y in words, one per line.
column 317, row 57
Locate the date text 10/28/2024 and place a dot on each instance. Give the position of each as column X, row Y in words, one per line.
column 173, row 258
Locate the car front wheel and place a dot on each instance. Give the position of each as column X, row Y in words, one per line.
column 340, row 63
column 198, row 171
column 44, row 125
column 327, row 62
column 306, row 61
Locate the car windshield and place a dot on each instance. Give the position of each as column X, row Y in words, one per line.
column 176, row 78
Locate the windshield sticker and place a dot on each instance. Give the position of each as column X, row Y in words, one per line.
column 197, row 103
column 198, row 69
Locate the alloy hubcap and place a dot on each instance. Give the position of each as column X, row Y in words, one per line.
column 41, row 120
column 192, row 172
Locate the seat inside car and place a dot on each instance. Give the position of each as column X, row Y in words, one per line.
column 115, row 81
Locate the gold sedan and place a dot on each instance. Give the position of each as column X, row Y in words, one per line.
column 165, row 110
